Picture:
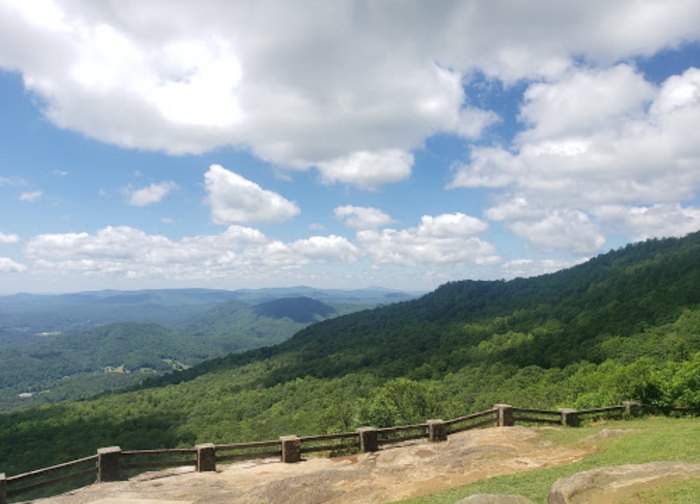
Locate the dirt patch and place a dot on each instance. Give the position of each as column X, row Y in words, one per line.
column 398, row 472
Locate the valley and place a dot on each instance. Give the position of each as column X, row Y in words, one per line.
column 74, row 346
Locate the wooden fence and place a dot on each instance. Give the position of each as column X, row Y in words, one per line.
column 114, row 464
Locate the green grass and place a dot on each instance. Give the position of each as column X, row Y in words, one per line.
column 655, row 439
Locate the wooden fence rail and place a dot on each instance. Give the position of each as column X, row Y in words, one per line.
column 114, row 464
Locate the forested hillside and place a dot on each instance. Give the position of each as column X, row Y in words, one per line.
column 625, row 325
column 53, row 366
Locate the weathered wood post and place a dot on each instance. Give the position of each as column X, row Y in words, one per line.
column 569, row 417
column 632, row 408
column 437, row 430
column 291, row 449
column 505, row 415
column 206, row 457
column 368, row 439
column 3, row 489
column 108, row 464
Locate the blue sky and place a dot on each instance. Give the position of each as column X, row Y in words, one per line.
column 339, row 144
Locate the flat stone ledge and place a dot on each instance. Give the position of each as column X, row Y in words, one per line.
column 587, row 486
column 495, row 499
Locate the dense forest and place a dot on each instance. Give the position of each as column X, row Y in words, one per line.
column 624, row 325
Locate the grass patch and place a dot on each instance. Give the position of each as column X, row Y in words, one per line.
column 653, row 439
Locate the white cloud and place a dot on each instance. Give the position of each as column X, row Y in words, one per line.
column 661, row 220
column 236, row 253
column 30, row 196
column 569, row 230
column 578, row 105
column 243, row 254
column 12, row 181
column 596, row 139
column 326, row 247
column 549, row 229
column 154, row 193
column 8, row 238
column 362, row 217
column 234, row 199
column 444, row 239
column 311, row 85
column 368, row 169
column 7, row 265
column 652, row 158
column 471, row 122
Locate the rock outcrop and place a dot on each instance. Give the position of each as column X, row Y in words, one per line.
column 610, row 484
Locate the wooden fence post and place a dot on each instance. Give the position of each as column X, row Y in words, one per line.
column 569, row 417
column 291, row 449
column 505, row 415
column 368, row 439
column 437, row 430
column 3, row 489
column 206, row 457
column 632, row 408
column 108, row 464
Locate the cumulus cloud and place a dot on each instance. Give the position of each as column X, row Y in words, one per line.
column 444, row 239
column 661, row 220
column 7, row 265
column 240, row 252
column 569, row 230
column 368, row 169
column 362, row 217
column 234, row 199
column 579, row 104
column 236, row 252
column 547, row 228
column 154, row 193
column 326, row 247
column 8, row 238
column 30, row 196
column 325, row 82
column 598, row 143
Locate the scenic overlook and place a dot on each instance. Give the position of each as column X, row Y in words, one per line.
column 349, row 252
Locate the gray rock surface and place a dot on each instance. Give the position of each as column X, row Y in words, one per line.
column 611, row 484
column 413, row 469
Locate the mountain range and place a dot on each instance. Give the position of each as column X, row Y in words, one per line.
column 624, row 325
column 74, row 346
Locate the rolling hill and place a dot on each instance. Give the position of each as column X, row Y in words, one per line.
column 43, row 363
column 302, row 310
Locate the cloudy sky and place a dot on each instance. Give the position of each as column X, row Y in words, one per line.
column 162, row 143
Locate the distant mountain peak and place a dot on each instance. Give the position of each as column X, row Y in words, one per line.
column 300, row 309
